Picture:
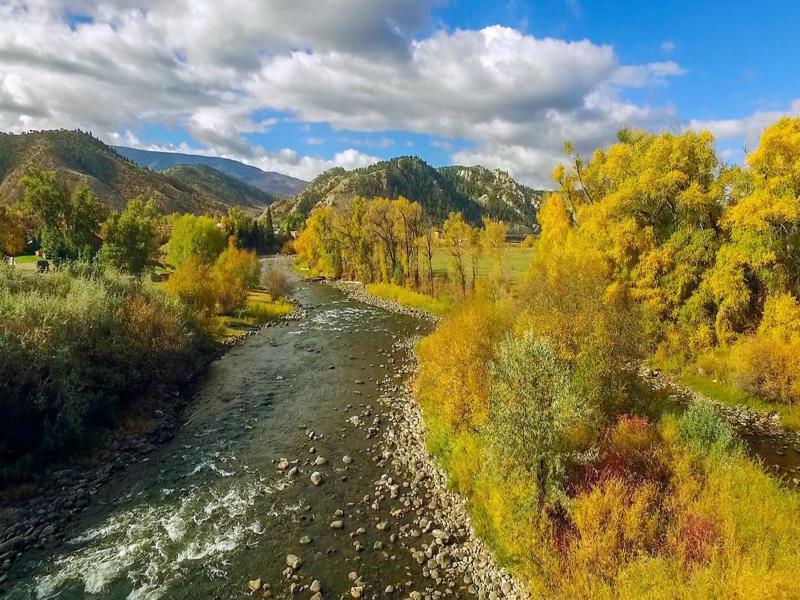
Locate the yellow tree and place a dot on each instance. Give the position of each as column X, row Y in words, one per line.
column 493, row 243
column 425, row 243
column 12, row 231
column 408, row 216
column 459, row 239
column 350, row 228
column 317, row 245
column 382, row 227
column 763, row 223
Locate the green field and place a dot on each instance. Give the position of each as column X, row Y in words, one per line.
column 517, row 258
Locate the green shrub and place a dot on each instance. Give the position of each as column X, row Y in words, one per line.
column 75, row 347
column 702, row 428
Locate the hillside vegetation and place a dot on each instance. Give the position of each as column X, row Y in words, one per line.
column 270, row 182
column 585, row 485
column 92, row 340
column 501, row 197
column 474, row 192
column 205, row 181
column 80, row 159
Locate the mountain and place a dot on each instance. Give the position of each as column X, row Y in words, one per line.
column 404, row 176
column 474, row 191
column 80, row 158
column 501, row 197
column 268, row 181
column 204, row 180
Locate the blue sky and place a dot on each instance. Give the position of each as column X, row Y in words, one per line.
column 299, row 87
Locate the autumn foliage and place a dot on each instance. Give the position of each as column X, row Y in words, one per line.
column 652, row 248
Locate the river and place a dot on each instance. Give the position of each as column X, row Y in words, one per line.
column 212, row 509
column 230, row 496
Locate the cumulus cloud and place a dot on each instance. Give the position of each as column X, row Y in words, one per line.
column 210, row 66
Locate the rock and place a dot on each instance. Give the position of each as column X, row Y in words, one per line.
column 254, row 584
column 346, row 459
column 339, row 524
column 315, row 586
column 357, row 591
column 320, row 460
column 283, row 464
column 293, row 471
column 305, row 540
column 389, row 590
column 293, row 561
column 316, row 478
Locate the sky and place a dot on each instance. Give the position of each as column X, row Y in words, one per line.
column 300, row 86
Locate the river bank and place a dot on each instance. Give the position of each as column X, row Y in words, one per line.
column 37, row 514
column 455, row 558
column 299, row 467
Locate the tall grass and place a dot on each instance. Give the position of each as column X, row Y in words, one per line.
column 410, row 298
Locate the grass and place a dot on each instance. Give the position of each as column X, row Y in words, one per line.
column 728, row 394
column 518, row 259
column 261, row 308
column 410, row 298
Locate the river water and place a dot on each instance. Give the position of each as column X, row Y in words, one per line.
column 210, row 510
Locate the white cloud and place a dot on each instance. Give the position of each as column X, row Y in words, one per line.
column 209, row 66
column 747, row 128
column 668, row 46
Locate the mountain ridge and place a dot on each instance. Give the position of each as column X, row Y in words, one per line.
column 473, row 191
column 268, row 181
column 81, row 159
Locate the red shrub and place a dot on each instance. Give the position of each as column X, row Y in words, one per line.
column 699, row 535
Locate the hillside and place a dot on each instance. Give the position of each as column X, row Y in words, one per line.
column 500, row 196
column 404, row 176
column 475, row 191
column 204, row 180
column 79, row 158
column 268, row 181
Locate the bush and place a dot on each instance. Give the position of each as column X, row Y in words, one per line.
column 234, row 273
column 454, row 362
column 275, row 282
column 703, row 429
column 75, row 347
column 766, row 364
column 193, row 284
column 532, row 411
column 614, row 524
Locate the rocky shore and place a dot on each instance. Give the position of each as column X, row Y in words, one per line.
column 451, row 554
column 42, row 518
column 431, row 522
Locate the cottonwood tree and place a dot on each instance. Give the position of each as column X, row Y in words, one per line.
column 459, row 239
column 12, row 231
column 408, row 216
column 131, row 238
column 68, row 222
column 195, row 236
column 382, row 225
